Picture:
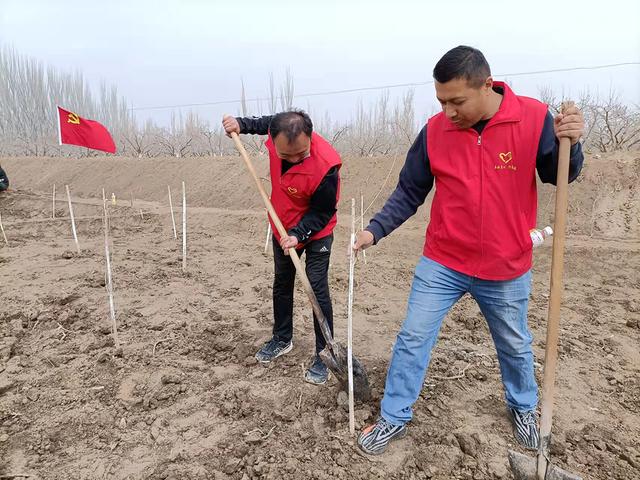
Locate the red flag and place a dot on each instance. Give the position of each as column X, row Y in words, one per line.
column 75, row 130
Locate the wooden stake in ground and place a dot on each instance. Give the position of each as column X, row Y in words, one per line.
column 266, row 242
column 173, row 218
column 352, row 260
column 105, row 207
column 364, row 253
column 109, row 282
column 104, row 203
column 184, row 228
column 3, row 234
column 131, row 199
column 53, row 202
column 73, row 220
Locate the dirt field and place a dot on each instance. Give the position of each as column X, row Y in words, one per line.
column 185, row 399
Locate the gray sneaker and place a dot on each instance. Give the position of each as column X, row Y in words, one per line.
column 272, row 350
column 317, row 373
column 525, row 428
column 375, row 439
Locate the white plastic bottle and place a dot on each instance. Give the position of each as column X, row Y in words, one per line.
column 538, row 236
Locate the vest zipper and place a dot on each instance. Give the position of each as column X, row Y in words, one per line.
column 481, row 205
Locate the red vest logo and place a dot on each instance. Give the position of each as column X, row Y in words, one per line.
column 293, row 192
column 506, row 158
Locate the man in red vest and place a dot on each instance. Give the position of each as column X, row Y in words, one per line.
column 482, row 152
column 305, row 187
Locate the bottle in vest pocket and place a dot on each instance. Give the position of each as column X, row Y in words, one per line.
column 538, row 236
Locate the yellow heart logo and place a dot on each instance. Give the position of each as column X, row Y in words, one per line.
column 506, row 157
column 292, row 190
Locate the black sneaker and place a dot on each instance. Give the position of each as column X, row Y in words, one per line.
column 525, row 428
column 317, row 373
column 375, row 438
column 272, row 350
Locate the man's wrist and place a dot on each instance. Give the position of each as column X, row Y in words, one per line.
column 295, row 233
column 374, row 230
column 240, row 125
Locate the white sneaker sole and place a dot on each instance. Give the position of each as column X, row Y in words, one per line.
column 308, row 380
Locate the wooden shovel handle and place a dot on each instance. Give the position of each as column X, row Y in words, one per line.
column 555, row 299
column 322, row 321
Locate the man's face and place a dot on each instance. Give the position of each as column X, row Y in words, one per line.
column 292, row 152
column 463, row 104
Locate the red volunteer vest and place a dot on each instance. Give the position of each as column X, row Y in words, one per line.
column 486, row 199
column 291, row 192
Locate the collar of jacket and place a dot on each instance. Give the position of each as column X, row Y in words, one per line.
column 300, row 168
column 509, row 110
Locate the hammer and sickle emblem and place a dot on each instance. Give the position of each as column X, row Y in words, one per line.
column 292, row 190
column 73, row 118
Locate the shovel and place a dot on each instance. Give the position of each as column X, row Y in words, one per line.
column 541, row 468
column 334, row 355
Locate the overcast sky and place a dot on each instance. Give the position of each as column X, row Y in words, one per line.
column 179, row 52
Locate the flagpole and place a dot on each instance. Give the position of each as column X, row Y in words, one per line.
column 59, row 130
column 184, row 228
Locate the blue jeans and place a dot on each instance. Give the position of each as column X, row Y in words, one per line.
column 435, row 290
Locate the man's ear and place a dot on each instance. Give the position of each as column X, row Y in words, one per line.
column 488, row 84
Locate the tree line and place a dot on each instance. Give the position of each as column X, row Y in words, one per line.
column 30, row 91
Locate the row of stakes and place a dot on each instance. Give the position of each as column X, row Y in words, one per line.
column 109, row 279
column 106, row 225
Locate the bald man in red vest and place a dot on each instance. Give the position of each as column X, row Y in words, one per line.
column 305, row 187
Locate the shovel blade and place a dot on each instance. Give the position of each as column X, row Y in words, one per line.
column 335, row 358
column 525, row 468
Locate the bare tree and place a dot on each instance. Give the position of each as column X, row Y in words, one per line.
column 273, row 97
column 616, row 126
column 286, row 91
column 609, row 124
column 404, row 120
column 176, row 139
column 140, row 140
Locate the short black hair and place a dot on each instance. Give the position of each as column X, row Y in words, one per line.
column 462, row 62
column 291, row 123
